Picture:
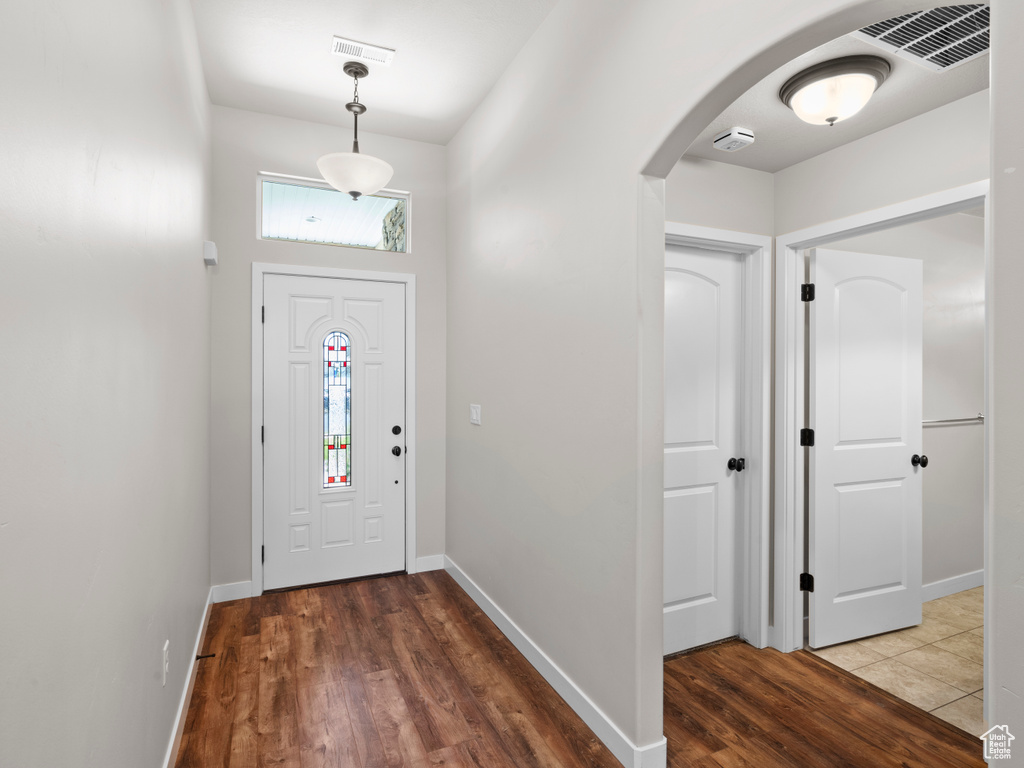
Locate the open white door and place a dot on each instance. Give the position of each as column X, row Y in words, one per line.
column 864, row 517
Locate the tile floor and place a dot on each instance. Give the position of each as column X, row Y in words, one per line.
column 936, row 666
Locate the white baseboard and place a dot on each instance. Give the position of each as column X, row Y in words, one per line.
column 629, row 754
column 952, row 585
column 234, row 591
column 429, row 563
column 186, row 694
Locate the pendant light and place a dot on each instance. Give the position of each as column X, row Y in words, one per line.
column 353, row 172
column 834, row 90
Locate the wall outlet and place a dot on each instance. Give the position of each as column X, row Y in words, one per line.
column 474, row 414
column 167, row 659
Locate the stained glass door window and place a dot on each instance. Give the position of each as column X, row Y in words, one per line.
column 337, row 411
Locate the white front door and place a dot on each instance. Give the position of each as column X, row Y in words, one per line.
column 334, row 418
column 703, row 354
column 864, row 517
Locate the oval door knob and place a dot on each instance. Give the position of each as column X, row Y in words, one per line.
column 737, row 464
column 397, row 451
column 919, row 461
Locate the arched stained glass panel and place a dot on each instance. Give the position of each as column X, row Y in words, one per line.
column 337, row 411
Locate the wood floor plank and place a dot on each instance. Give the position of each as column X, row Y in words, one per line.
column 278, row 728
column 364, row 729
column 311, row 642
column 402, row 743
column 325, row 731
column 244, row 728
column 425, row 677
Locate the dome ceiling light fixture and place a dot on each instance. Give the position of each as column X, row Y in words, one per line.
column 352, row 172
column 834, row 90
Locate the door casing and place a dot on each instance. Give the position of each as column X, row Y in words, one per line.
column 789, row 533
column 259, row 269
column 755, row 386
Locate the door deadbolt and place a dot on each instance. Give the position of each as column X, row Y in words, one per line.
column 396, row 430
column 737, row 464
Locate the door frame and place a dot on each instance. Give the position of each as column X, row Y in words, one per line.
column 259, row 271
column 755, row 384
column 788, row 534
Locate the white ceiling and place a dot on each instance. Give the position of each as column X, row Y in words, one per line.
column 275, row 57
column 781, row 139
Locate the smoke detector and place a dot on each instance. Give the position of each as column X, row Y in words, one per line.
column 353, row 49
column 733, row 139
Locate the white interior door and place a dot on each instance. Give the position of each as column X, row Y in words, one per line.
column 864, row 517
column 334, row 392
column 703, row 354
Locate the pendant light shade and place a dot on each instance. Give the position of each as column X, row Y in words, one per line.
column 834, row 90
column 355, row 173
column 352, row 172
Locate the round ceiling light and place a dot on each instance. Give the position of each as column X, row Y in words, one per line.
column 834, row 90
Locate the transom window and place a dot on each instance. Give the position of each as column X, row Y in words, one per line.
column 291, row 210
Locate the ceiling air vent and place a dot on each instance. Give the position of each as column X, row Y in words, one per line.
column 353, row 50
column 937, row 39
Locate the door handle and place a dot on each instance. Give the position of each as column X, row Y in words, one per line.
column 919, row 461
column 737, row 464
column 397, row 451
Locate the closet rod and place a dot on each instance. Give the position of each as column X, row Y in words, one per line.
column 979, row 419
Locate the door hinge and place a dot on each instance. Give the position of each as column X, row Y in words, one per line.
column 806, row 438
column 806, row 582
column 263, row 554
column 807, row 292
column 263, row 314
column 261, row 434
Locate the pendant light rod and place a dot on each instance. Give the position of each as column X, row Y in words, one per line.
column 355, row 70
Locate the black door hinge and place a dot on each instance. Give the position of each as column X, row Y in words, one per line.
column 261, row 434
column 806, row 582
column 263, row 554
column 806, row 438
column 807, row 292
column 263, row 314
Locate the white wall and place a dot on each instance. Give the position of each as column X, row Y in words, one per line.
column 952, row 249
column 1004, row 626
column 245, row 143
column 720, row 195
column 941, row 149
column 104, row 338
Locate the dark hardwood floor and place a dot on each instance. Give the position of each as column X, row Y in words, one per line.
column 407, row 671
column 733, row 705
column 395, row 671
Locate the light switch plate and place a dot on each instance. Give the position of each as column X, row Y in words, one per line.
column 474, row 414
